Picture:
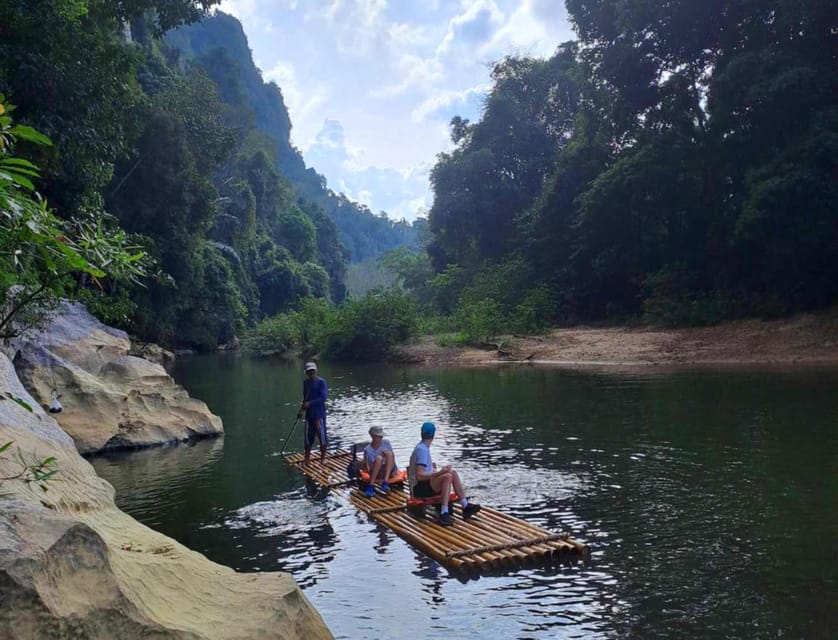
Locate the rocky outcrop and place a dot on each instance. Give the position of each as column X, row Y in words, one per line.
column 110, row 399
column 73, row 566
column 151, row 352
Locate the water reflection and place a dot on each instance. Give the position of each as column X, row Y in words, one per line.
column 175, row 475
column 686, row 485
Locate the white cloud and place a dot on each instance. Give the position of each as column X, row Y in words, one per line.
column 474, row 26
column 414, row 72
column 358, row 25
column 409, row 36
column 239, row 8
column 402, row 194
column 441, row 102
column 535, row 27
column 300, row 100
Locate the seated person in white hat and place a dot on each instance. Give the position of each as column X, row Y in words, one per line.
column 379, row 460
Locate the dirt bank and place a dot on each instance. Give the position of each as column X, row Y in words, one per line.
column 800, row 340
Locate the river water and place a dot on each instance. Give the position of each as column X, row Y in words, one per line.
column 709, row 498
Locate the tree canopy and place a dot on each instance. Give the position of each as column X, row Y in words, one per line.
column 677, row 163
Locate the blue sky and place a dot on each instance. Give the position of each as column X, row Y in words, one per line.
column 372, row 84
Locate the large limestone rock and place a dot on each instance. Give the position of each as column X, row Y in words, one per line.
column 110, row 399
column 72, row 566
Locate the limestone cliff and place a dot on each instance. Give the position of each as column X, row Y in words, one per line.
column 73, row 566
column 111, row 399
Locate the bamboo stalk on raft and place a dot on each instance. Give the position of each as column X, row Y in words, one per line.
column 568, row 544
column 435, row 535
column 530, row 550
column 416, row 538
column 427, row 531
column 471, row 534
column 498, row 538
column 459, row 537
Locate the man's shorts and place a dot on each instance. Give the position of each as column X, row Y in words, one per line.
column 422, row 489
column 315, row 427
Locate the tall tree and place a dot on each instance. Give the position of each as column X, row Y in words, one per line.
column 501, row 162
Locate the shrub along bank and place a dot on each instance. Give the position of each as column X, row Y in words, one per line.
column 363, row 329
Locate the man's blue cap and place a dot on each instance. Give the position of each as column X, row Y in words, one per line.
column 428, row 430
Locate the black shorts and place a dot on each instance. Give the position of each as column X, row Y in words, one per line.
column 423, row 489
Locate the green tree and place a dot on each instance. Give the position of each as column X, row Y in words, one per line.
column 501, row 162
column 40, row 252
column 73, row 80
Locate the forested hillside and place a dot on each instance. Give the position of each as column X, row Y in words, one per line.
column 678, row 163
column 188, row 150
column 219, row 46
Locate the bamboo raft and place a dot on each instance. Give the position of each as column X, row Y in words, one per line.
column 489, row 542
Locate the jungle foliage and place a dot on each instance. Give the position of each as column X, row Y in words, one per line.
column 43, row 256
column 366, row 329
column 677, row 164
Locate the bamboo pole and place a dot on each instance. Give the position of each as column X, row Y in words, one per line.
column 476, row 536
column 437, row 536
column 417, row 539
column 504, row 546
column 521, row 529
column 506, row 537
column 481, row 535
column 458, row 538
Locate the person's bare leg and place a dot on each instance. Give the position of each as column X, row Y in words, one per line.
column 390, row 462
column 321, row 438
column 308, row 454
column 376, row 467
column 469, row 508
column 459, row 489
column 442, row 485
column 446, row 491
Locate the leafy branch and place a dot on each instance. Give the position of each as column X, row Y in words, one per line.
column 31, row 469
column 39, row 471
column 39, row 251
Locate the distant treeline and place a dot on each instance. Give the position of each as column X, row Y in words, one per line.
column 678, row 163
column 184, row 144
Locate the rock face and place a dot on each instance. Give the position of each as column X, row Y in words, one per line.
column 110, row 399
column 72, row 566
column 151, row 352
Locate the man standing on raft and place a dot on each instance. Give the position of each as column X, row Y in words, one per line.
column 430, row 482
column 315, row 392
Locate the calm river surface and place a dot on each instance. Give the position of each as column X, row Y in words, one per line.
column 709, row 498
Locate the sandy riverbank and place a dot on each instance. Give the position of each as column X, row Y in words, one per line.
column 800, row 340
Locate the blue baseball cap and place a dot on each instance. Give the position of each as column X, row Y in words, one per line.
column 428, row 430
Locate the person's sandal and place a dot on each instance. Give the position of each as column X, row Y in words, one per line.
column 445, row 519
column 385, row 487
column 369, row 491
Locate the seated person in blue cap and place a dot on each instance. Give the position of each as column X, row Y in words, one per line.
column 380, row 461
column 430, row 482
